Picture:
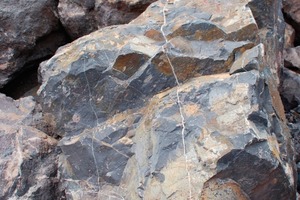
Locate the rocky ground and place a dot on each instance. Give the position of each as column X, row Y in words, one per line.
column 144, row 99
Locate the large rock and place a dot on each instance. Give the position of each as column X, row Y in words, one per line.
column 120, row 67
column 28, row 157
column 208, row 137
column 149, row 110
column 83, row 17
column 29, row 32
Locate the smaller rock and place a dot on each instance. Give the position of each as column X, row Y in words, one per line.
column 289, row 89
column 292, row 10
column 289, row 36
column 248, row 60
column 28, row 157
column 292, row 57
column 83, row 17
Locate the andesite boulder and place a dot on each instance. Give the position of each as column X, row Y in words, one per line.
column 149, row 110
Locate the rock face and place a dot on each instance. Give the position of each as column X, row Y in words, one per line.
column 82, row 17
column 28, row 158
column 29, row 32
column 149, row 110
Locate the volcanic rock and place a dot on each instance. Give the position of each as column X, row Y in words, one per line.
column 28, row 157
column 292, row 57
column 292, row 11
column 80, row 18
column 29, row 32
column 289, row 36
column 149, row 110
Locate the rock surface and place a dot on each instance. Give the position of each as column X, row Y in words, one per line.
column 292, row 10
column 29, row 32
column 28, row 158
column 80, row 17
column 292, row 57
column 149, row 110
column 289, row 36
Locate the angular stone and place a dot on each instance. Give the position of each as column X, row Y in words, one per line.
column 291, row 9
column 292, row 57
column 119, row 68
column 28, row 158
column 289, row 88
column 148, row 110
column 249, row 60
column 223, row 138
column 289, row 36
column 29, row 32
column 80, row 18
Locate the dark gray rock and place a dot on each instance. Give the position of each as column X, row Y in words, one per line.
column 289, row 89
column 149, row 110
column 29, row 32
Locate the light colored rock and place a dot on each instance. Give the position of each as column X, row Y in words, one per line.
column 249, row 60
column 28, row 159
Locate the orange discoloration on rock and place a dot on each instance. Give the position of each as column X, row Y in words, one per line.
column 129, row 63
column 163, row 65
column 154, row 35
column 190, row 109
column 218, row 189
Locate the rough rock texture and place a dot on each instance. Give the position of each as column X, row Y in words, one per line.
column 292, row 57
column 149, row 110
column 28, row 157
column 289, row 36
column 292, row 11
column 289, row 88
column 29, row 32
column 81, row 17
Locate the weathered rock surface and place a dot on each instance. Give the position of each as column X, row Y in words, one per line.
column 289, row 89
column 139, row 154
column 292, row 10
column 83, row 17
column 149, row 110
column 28, row 157
column 289, row 36
column 29, row 32
column 292, row 57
